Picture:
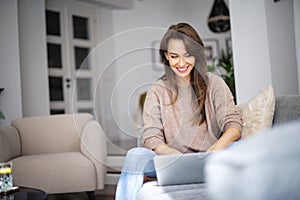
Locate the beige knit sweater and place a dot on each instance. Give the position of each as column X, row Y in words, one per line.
column 172, row 124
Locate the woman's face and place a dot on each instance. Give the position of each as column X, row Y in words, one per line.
column 180, row 61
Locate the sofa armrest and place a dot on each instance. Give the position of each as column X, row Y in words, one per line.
column 93, row 146
column 10, row 146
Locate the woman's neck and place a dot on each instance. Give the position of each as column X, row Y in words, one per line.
column 183, row 81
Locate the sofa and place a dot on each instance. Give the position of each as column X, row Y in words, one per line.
column 221, row 171
column 57, row 153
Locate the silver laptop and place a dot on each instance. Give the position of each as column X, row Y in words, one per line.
column 180, row 169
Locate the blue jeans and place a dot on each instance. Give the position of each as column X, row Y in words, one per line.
column 138, row 162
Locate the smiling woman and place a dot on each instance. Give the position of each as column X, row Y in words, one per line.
column 187, row 110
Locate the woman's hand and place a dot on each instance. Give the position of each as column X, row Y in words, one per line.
column 164, row 149
column 229, row 136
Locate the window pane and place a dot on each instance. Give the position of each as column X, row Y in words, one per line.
column 56, row 88
column 86, row 110
column 84, row 89
column 80, row 27
column 80, row 55
column 54, row 55
column 52, row 23
column 56, row 111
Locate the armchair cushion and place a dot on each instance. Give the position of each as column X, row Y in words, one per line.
column 63, row 172
column 43, row 134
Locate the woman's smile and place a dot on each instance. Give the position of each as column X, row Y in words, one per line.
column 182, row 69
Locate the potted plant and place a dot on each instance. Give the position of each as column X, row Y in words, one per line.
column 2, row 115
column 225, row 63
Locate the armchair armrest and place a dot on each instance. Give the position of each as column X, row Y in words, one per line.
column 93, row 146
column 10, row 145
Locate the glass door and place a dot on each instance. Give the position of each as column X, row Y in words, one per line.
column 69, row 41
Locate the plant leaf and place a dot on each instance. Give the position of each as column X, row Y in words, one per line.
column 2, row 115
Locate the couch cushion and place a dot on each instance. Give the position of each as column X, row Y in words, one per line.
column 265, row 166
column 40, row 171
column 151, row 190
column 287, row 108
column 257, row 113
column 51, row 134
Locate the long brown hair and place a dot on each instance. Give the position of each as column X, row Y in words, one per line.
column 195, row 47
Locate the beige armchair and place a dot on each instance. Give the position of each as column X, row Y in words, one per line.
column 57, row 153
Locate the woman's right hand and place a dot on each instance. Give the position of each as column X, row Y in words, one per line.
column 164, row 149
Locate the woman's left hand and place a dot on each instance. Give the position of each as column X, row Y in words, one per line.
column 229, row 136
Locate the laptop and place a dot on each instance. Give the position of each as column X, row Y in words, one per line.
column 180, row 169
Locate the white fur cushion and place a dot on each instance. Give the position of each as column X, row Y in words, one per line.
column 257, row 114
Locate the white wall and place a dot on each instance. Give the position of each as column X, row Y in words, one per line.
column 297, row 35
column 263, row 47
column 281, row 37
column 33, row 57
column 250, row 47
column 10, row 98
column 105, row 72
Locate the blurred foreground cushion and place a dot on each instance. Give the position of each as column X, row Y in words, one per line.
column 265, row 166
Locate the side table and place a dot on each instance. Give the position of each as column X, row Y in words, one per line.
column 25, row 193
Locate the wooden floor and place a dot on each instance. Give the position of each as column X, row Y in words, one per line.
column 107, row 194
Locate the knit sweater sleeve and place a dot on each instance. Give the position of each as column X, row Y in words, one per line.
column 226, row 112
column 153, row 128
